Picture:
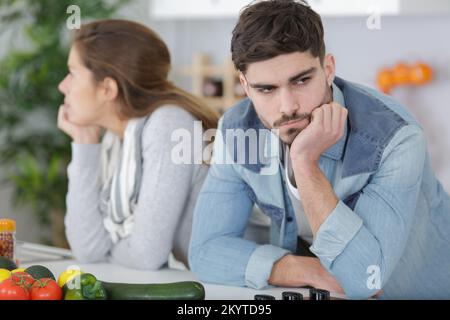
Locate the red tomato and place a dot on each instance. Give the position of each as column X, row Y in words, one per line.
column 11, row 290
column 46, row 289
column 23, row 279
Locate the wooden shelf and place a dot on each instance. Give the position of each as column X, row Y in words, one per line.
column 212, row 71
column 202, row 69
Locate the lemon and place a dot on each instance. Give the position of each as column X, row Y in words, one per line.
column 67, row 276
column 4, row 274
column 18, row 270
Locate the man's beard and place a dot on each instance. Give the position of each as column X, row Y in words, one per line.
column 292, row 133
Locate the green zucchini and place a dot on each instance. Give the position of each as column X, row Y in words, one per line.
column 186, row 290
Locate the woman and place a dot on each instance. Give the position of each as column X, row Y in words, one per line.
column 128, row 201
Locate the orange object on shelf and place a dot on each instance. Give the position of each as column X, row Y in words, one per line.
column 386, row 80
column 403, row 74
column 421, row 73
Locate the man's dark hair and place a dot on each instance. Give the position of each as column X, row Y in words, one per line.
column 266, row 29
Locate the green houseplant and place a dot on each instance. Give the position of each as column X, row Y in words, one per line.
column 33, row 152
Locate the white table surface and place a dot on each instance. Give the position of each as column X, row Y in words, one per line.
column 116, row 273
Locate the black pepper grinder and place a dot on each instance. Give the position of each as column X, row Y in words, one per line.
column 289, row 295
column 319, row 294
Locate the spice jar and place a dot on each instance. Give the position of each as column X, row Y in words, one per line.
column 7, row 238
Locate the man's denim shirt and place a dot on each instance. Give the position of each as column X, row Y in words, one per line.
column 390, row 229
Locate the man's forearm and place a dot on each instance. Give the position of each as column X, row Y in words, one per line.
column 316, row 193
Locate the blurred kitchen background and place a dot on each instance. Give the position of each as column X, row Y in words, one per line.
column 373, row 43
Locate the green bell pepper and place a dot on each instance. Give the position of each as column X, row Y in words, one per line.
column 84, row 287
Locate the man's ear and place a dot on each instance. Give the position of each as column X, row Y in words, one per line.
column 244, row 83
column 110, row 89
column 330, row 68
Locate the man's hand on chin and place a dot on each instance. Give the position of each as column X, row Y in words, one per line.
column 326, row 128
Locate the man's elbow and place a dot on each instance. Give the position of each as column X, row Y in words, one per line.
column 360, row 288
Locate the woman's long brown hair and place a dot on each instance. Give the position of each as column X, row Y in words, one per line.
column 137, row 58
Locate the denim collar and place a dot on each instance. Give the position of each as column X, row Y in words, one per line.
column 370, row 127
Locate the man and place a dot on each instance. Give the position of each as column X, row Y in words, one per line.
column 354, row 204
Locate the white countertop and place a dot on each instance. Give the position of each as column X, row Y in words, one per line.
column 115, row 273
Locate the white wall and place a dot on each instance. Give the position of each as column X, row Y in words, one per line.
column 359, row 53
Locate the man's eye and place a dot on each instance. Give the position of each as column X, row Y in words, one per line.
column 302, row 81
column 265, row 90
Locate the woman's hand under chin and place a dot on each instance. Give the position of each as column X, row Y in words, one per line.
column 79, row 134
